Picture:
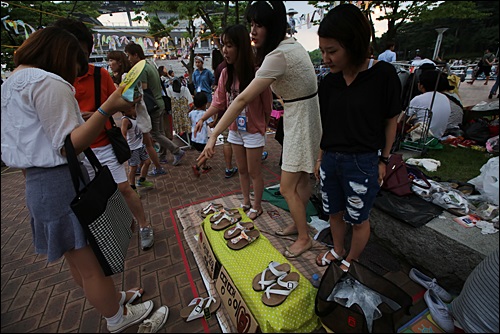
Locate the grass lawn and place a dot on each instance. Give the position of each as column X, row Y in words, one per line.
column 460, row 164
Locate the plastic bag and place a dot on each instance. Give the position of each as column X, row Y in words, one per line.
column 487, row 182
column 492, row 145
column 142, row 117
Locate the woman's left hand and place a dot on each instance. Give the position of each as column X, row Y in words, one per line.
column 209, row 149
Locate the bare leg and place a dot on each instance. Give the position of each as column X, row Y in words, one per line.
column 134, row 203
column 241, row 161
column 304, row 191
column 289, row 189
column 148, row 141
column 99, row 289
column 254, row 164
column 360, row 237
column 228, row 155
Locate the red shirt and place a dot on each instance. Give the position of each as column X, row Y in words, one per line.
column 84, row 87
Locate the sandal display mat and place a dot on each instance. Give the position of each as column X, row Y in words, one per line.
column 296, row 313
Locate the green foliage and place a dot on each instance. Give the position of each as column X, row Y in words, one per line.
column 315, row 57
column 40, row 14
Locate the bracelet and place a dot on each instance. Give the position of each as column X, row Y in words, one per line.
column 103, row 112
column 384, row 160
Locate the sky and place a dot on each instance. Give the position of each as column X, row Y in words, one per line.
column 307, row 37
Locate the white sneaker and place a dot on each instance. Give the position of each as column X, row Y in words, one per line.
column 157, row 321
column 429, row 284
column 439, row 311
column 135, row 313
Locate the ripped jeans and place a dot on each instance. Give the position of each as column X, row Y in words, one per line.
column 349, row 183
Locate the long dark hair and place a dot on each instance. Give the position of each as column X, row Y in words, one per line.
column 244, row 65
column 272, row 16
column 53, row 50
column 350, row 27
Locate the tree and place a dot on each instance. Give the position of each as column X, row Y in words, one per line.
column 19, row 17
column 214, row 14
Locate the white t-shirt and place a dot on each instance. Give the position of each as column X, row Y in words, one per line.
column 39, row 110
column 441, row 111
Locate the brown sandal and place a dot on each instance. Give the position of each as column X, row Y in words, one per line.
column 243, row 240
column 277, row 293
column 210, row 208
column 269, row 275
column 236, row 230
column 225, row 221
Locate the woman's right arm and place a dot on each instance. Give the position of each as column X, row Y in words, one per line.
column 85, row 134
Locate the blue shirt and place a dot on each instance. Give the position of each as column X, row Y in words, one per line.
column 203, row 81
column 388, row 56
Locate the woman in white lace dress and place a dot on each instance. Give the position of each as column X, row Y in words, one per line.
column 286, row 67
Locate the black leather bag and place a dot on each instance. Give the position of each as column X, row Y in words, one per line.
column 102, row 211
column 341, row 319
column 119, row 143
column 150, row 101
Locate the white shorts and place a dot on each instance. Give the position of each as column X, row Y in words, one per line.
column 107, row 157
column 245, row 139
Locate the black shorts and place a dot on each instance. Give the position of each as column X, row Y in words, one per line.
column 484, row 69
column 199, row 147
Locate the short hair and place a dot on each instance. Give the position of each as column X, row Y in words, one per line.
column 77, row 28
column 272, row 16
column 120, row 57
column 170, row 72
column 54, row 50
column 200, row 99
column 389, row 44
column 350, row 27
column 135, row 49
column 429, row 78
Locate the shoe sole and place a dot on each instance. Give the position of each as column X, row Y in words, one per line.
column 148, row 247
column 148, row 311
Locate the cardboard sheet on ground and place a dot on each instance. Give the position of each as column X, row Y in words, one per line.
column 296, row 314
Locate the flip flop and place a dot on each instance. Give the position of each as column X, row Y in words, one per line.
column 277, row 293
column 210, row 208
column 326, row 261
column 136, row 294
column 236, row 230
column 269, row 275
column 257, row 213
column 289, row 254
column 243, row 240
column 225, row 221
column 198, row 307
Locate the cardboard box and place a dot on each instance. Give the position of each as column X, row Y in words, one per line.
column 209, row 258
column 231, row 300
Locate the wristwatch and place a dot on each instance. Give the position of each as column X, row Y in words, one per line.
column 384, row 160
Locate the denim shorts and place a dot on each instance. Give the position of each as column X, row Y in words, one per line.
column 349, row 183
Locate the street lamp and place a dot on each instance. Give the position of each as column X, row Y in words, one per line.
column 438, row 42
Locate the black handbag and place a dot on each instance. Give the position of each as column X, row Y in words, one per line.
column 119, row 143
column 150, row 101
column 341, row 319
column 102, row 211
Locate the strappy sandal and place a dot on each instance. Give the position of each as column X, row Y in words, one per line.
column 277, row 293
column 255, row 212
column 325, row 261
column 136, row 294
column 269, row 275
column 345, row 263
column 217, row 215
column 196, row 308
column 236, row 230
column 210, row 208
column 243, row 240
column 236, row 210
column 225, row 221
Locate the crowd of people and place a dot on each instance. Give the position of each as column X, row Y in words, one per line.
column 328, row 131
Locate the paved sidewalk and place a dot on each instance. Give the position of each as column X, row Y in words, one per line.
column 36, row 297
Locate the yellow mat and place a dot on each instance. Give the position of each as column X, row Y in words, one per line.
column 295, row 314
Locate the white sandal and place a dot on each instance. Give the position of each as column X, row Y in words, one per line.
column 347, row 264
column 325, row 261
column 273, row 272
column 137, row 294
column 281, row 289
column 197, row 307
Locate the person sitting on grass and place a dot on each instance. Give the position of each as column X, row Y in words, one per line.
column 199, row 140
column 139, row 155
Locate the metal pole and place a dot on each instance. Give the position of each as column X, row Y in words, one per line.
column 438, row 42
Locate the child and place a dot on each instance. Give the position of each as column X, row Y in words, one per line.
column 198, row 140
column 138, row 150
